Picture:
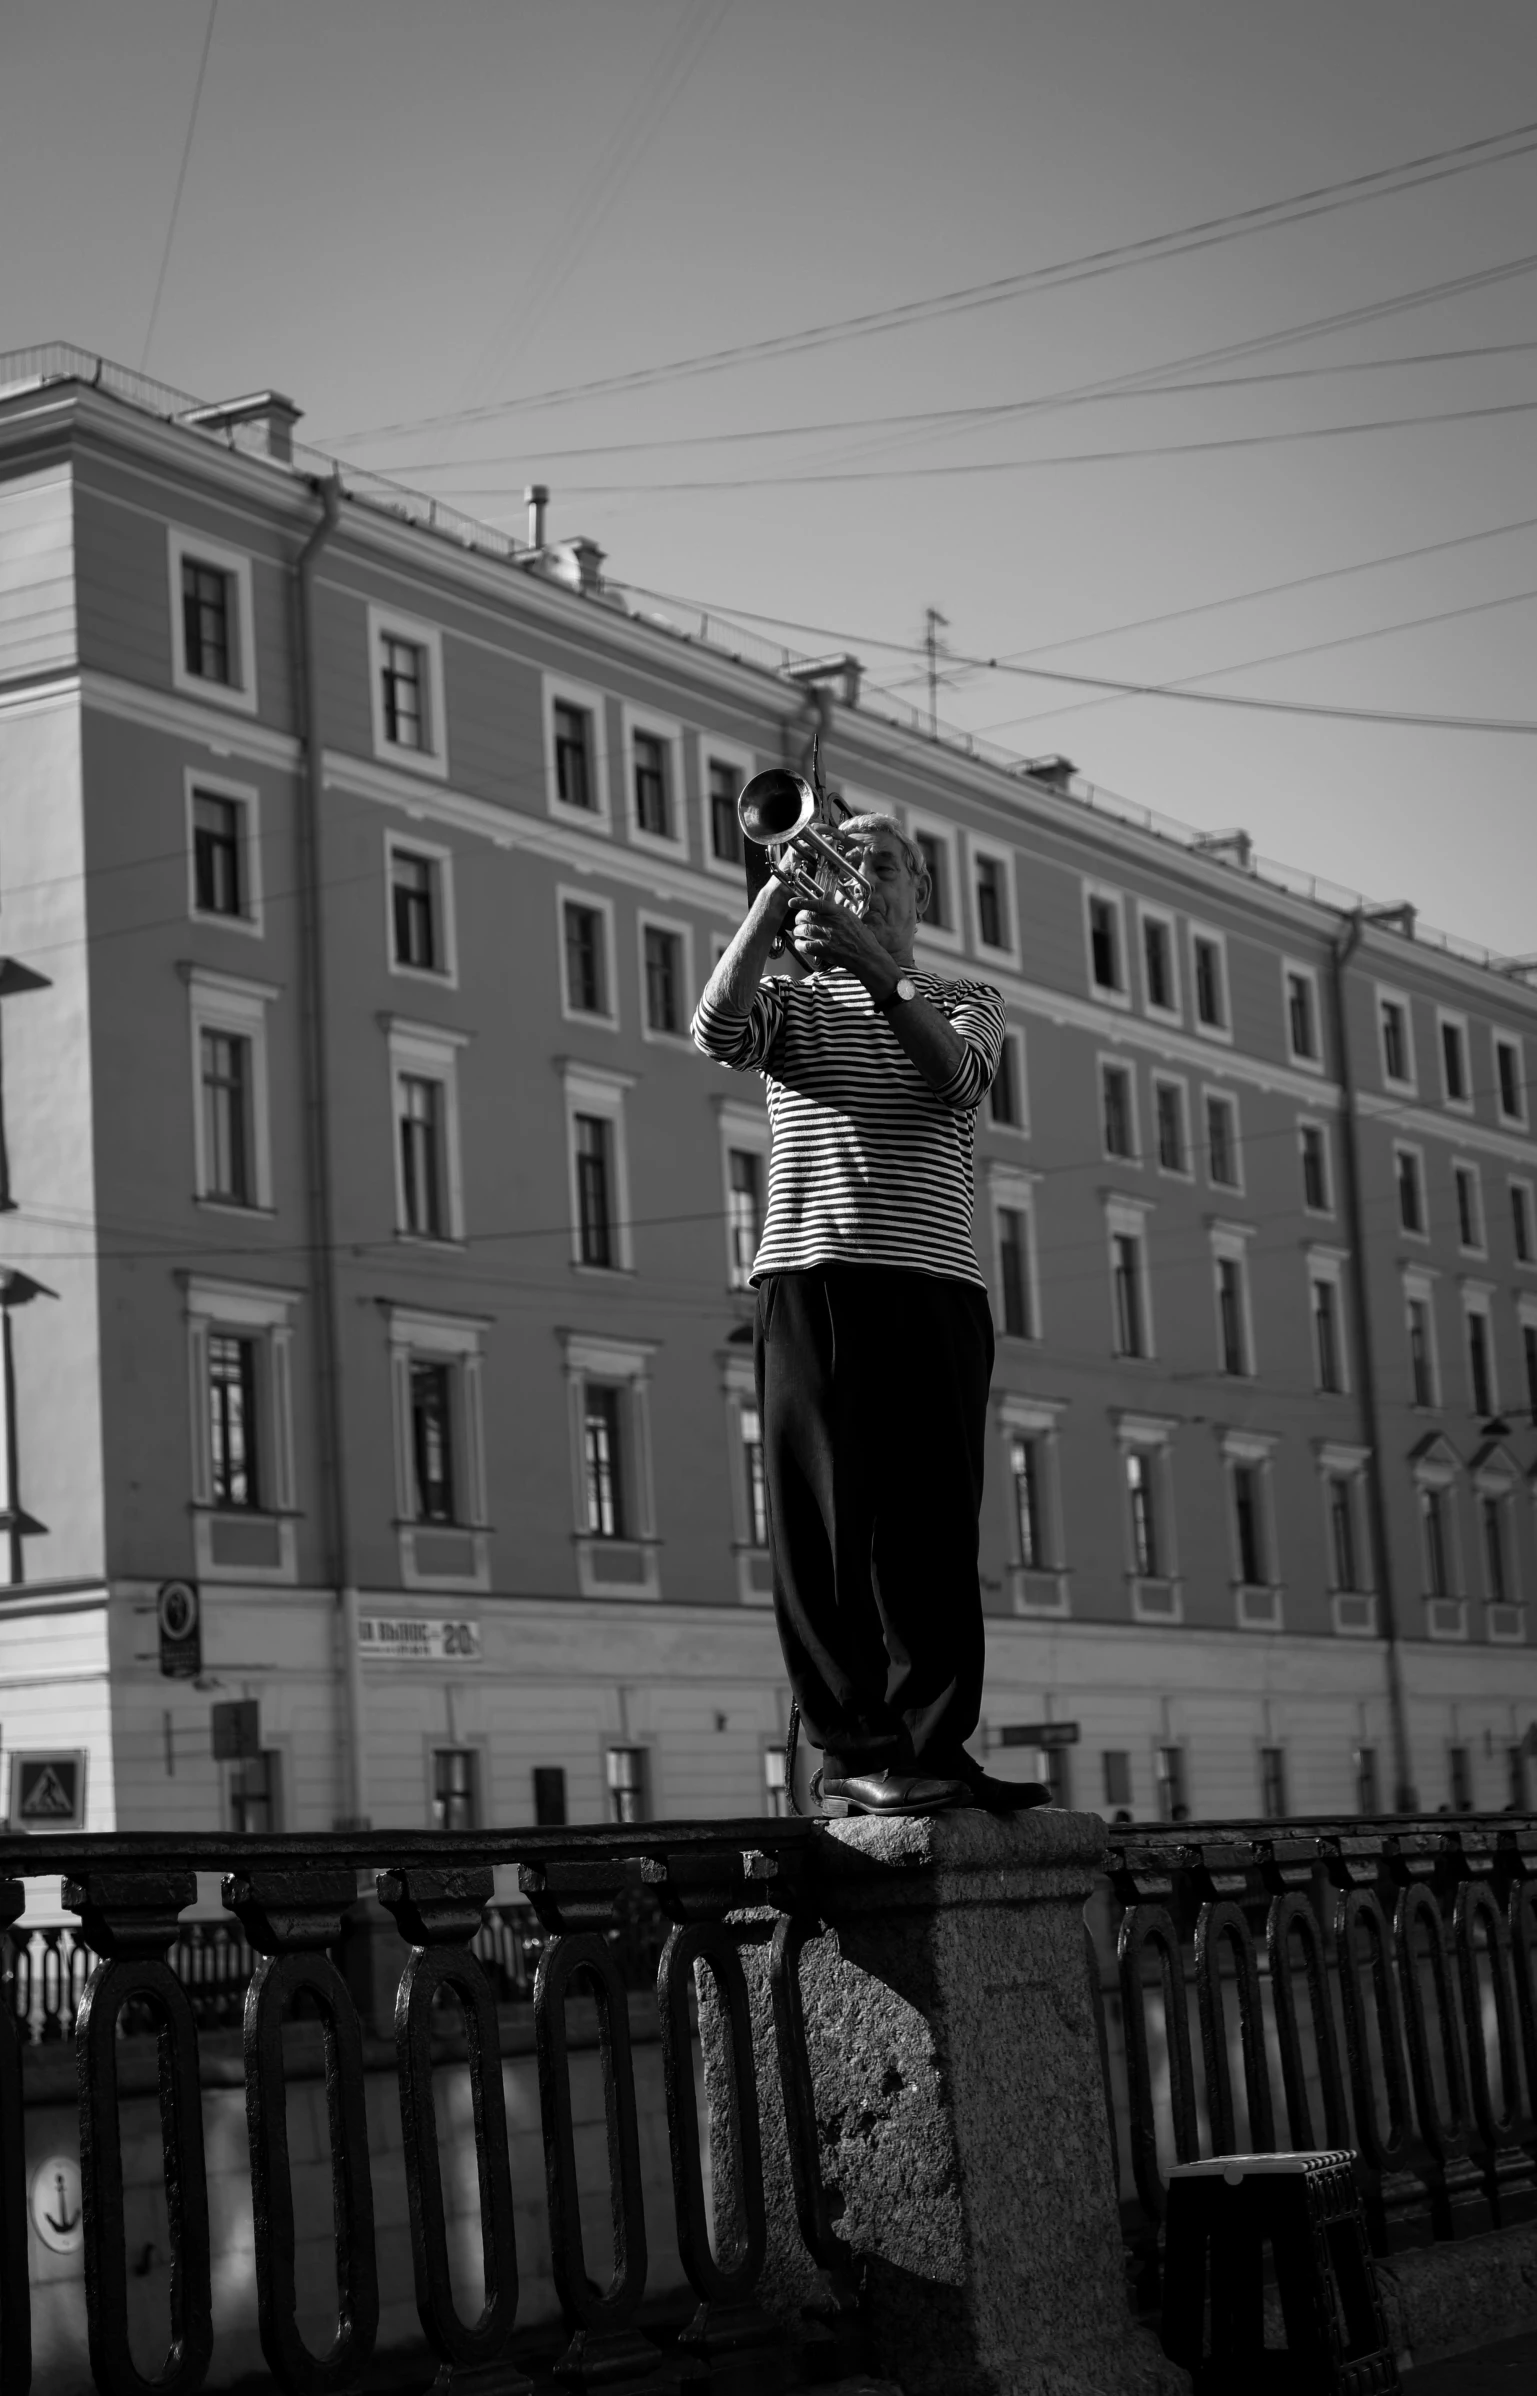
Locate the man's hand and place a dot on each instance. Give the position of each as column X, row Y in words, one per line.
column 829, row 934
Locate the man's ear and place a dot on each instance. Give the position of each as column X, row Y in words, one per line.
column 923, row 891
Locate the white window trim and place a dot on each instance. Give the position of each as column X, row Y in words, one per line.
column 1419, row 1285
column 558, row 689
column 1527, row 1263
column 1339, row 1461
column 1010, row 1187
column 1328, row 1264
column 1153, row 1435
column 459, row 1341
column 256, row 1310
column 1177, row 1083
column 1479, row 1244
column 1304, row 973
column 995, row 854
column 446, row 975
column 247, row 797
column 1257, row 1604
column 595, row 903
column 1147, row 914
column 1517, row 1048
column 646, row 920
column 952, row 936
column 708, row 746
column 182, row 542
column 1116, row 900
column 1478, row 1299
column 1221, row 1032
column 1447, row 1016
column 627, row 1365
column 1041, row 1589
column 1437, row 1469
column 739, row 1390
column 1230, row 1245
column 745, row 1128
column 1228, row 1099
column 1126, row 1218
column 427, row 1052
column 1497, row 1478
column 221, row 1002
column 596, row 1090
column 1014, row 1042
column 387, row 623
column 669, row 732
column 1110, row 1060
column 1325, row 1212
column 1403, row 1148
column 1383, row 997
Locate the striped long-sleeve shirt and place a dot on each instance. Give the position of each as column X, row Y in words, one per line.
column 869, row 1165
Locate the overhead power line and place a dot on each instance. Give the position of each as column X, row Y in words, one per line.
column 1236, row 224
column 181, row 177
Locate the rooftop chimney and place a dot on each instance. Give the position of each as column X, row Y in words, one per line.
column 1232, row 848
column 538, row 498
column 1055, row 771
column 266, row 417
column 844, row 669
column 578, row 563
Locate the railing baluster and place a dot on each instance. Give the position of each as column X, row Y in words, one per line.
column 15, row 2293
column 1446, row 2133
column 1150, row 1928
column 1503, row 2131
column 130, row 1919
column 440, row 1913
column 1292, row 1917
column 291, row 1918
column 1221, row 1921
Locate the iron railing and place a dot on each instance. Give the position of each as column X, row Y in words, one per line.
column 1370, row 1985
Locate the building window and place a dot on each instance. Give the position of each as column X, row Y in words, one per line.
column 664, row 980
column 603, row 1457
column 1117, row 1104
column 1249, row 1524
column 432, row 1441
column 1470, row 1211
column 1158, row 965
column 1029, row 1511
column 653, row 799
column 725, row 830
column 594, row 1185
column 1302, row 1015
column 1518, row 1793
column 992, row 904
column 402, row 681
column 1422, row 1359
column 1222, row 1143
column 1173, row 1803
column 1106, row 965
column 212, row 649
column 1230, row 1315
column 227, row 1121
column 218, row 863
column 1368, row 1786
column 1393, row 1018
column 776, row 1797
column 1328, row 1345
column 1521, row 1222
column 586, row 959
column 1433, row 1516
column 744, row 1211
column 1142, row 1498
column 1126, row 1274
column 415, row 911
column 253, row 1794
column 1411, row 1190
column 1015, row 1275
column 1480, row 1362
column 1169, row 1120
column 1344, row 1565
column 1272, row 1784
column 628, row 1784
column 1459, row 1779
column 573, row 756
column 1210, row 983
column 1529, row 1358
column 1006, row 1097
column 937, row 914
column 1491, row 1522
column 1509, row 1081
column 207, row 610
column 550, row 1796
column 1117, row 1771
column 420, row 1132
column 409, row 722
column 1315, row 1169
column 751, row 1424
column 1454, row 1062
column 453, row 1789
column 234, row 1443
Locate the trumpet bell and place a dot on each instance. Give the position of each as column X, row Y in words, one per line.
column 774, row 806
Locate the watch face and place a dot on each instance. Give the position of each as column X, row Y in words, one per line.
column 906, row 989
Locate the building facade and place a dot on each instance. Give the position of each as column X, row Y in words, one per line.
column 376, row 1330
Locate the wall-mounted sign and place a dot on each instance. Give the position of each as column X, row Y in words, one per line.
column 417, row 1639
column 1039, row 1735
column 235, row 1729
column 180, row 1618
column 55, row 2204
column 48, row 1789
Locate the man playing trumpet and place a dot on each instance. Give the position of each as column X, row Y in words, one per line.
column 873, row 1341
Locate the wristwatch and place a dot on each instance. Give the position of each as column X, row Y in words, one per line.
column 905, row 990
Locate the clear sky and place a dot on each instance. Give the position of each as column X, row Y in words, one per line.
column 399, row 212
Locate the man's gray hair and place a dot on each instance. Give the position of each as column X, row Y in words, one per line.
column 877, row 822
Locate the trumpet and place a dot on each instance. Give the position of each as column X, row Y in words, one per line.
column 778, row 810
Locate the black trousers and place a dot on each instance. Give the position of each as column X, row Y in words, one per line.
column 872, row 1391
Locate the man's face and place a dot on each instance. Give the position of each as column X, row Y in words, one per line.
column 893, row 895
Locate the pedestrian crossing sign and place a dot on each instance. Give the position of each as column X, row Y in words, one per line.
column 48, row 1790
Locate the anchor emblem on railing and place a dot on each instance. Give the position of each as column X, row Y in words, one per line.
column 56, row 2207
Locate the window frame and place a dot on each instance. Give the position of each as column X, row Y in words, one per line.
column 599, row 1090
column 441, row 860
column 1466, row 1175
column 1254, row 1451
column 592, row 902
column 1448, row 1019
column 1411, row 1149
column 1212, row 1096
column 1478, row 1305
column 646, row 920
column 1327, row 1265
column 1151, row 1435
column 1510, row 1044
column 739, row 1397
column 669, row 731
column 992, row 852
column 418, row 1334
column 185, row 545
column 1126, row 1218
column 1108, row 994
column 714, row 748
column 1305, row 1124
column 1180, row 1086
column 560, row 689
column 746, row 1128
column 1383, row 997
column 265, row 1314
column 427, row 1052
column 1305, row 1061
column 1011, row 1190
column 247, row 797
column 1436, row 1471
column 388, row 623
column 1016, row 1050
column 951, row 936
column 625, row 1365
column 1167, row 923
column 1230, row 1246
column 236, row 1007
column 1419, row 1290
column 1495, row 1484
column 1521, row 1193
column 1354, row 1610
column 1109, row 1061
column 1221, row 1031
column 1041, row 1589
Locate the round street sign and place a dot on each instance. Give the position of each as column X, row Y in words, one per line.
column 56, row 2204
column 177, row 1608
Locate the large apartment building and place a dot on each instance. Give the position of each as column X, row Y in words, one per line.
column 376, row 1338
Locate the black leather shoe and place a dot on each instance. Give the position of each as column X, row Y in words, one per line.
column 889, row 1792
column 993, row 1795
